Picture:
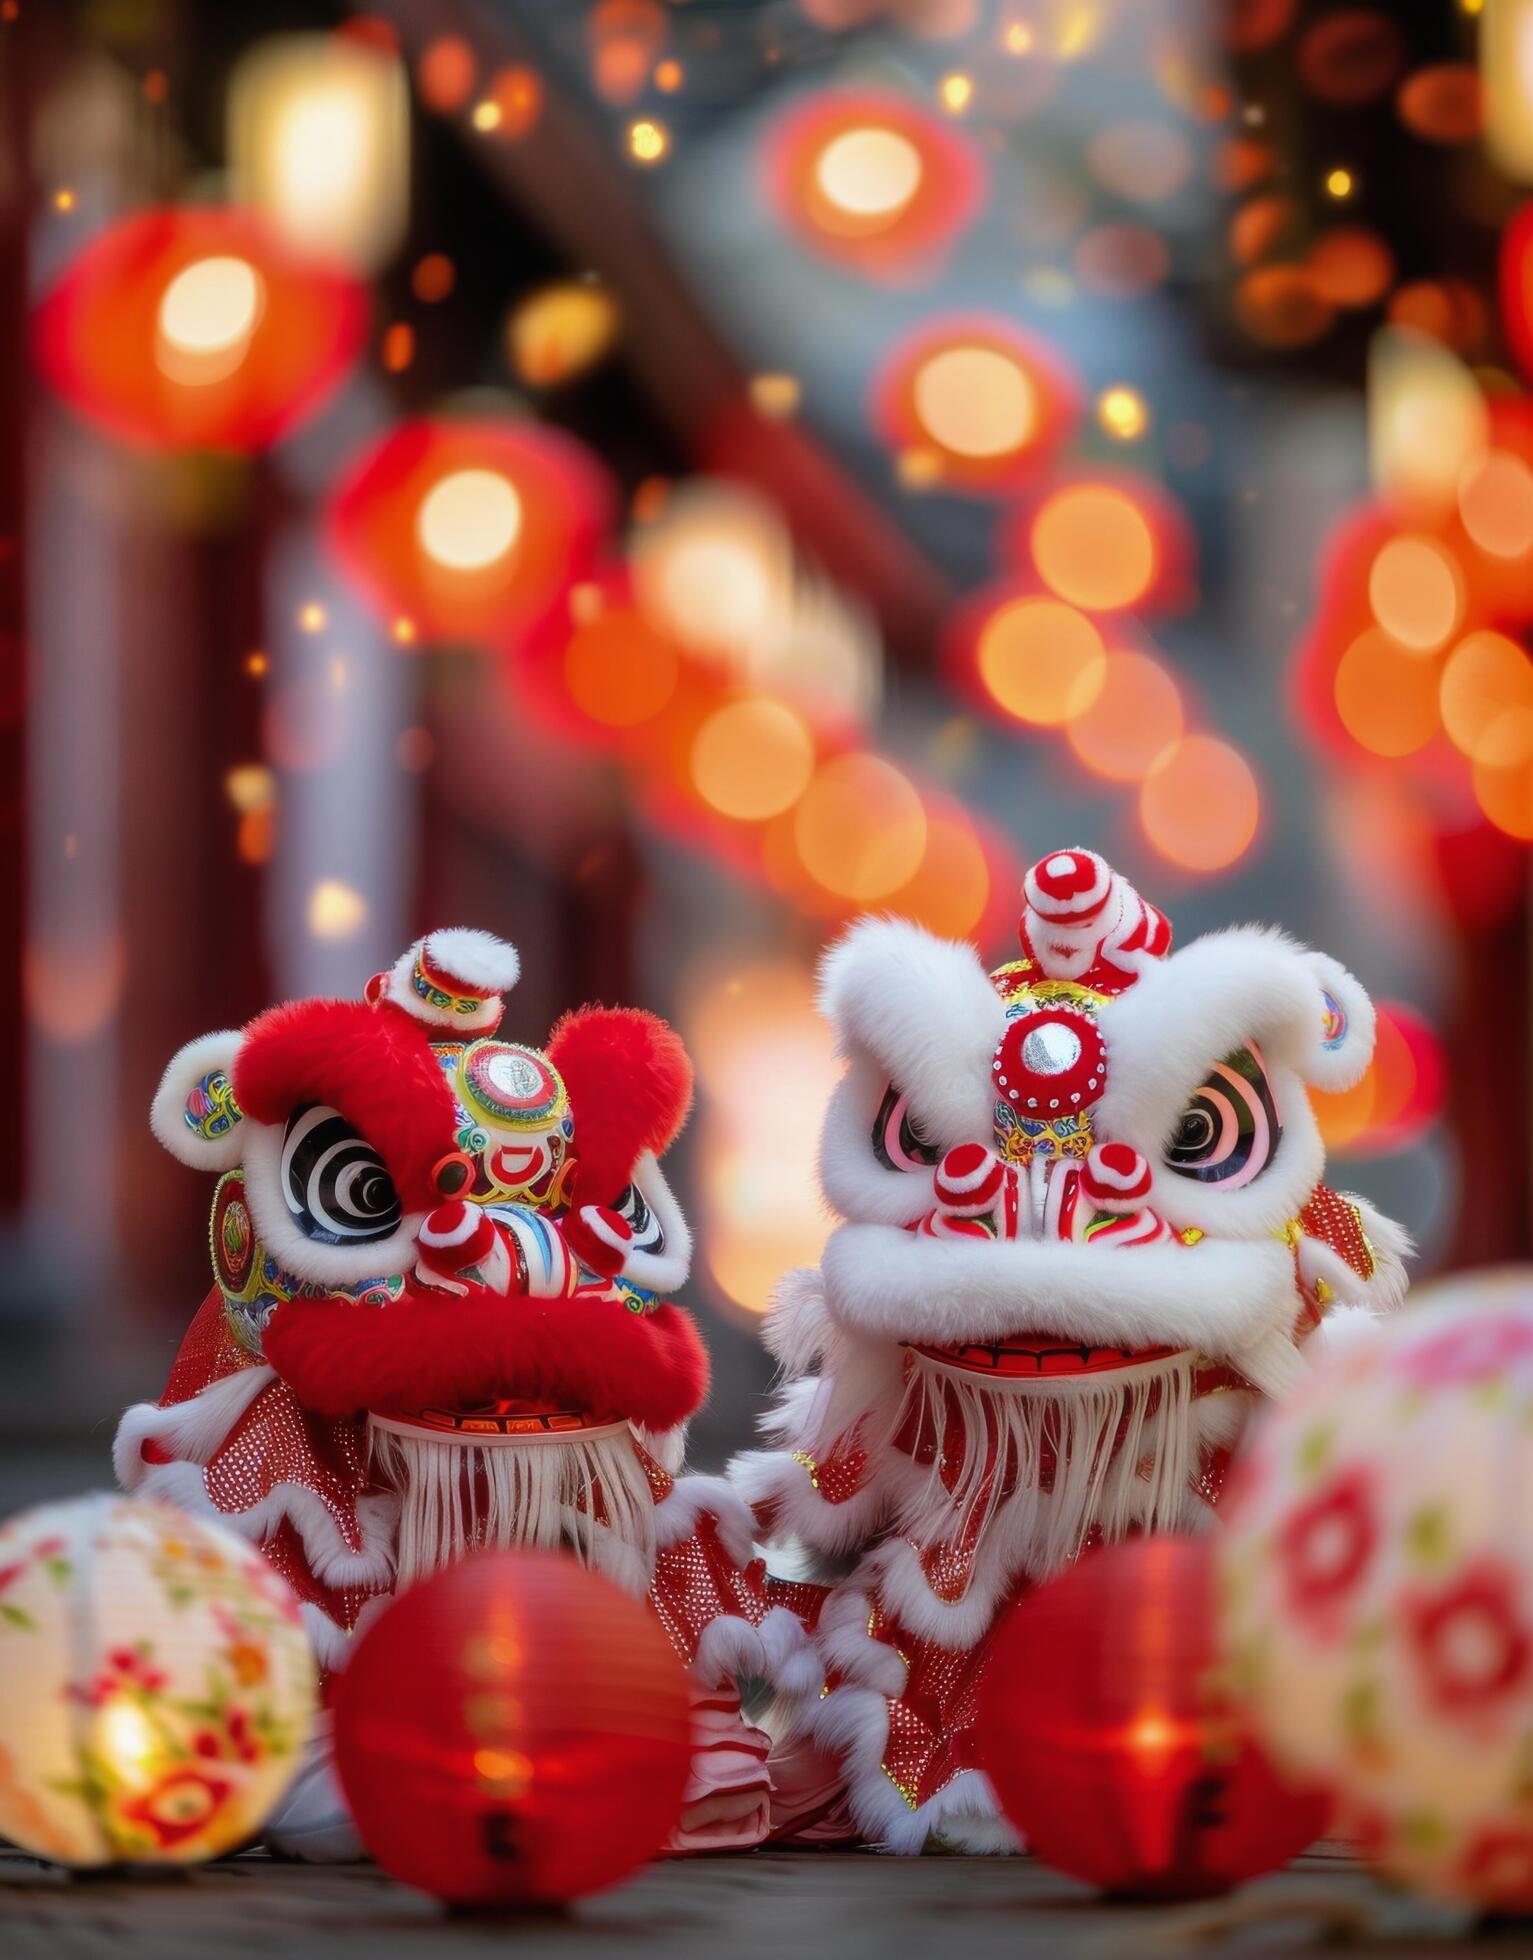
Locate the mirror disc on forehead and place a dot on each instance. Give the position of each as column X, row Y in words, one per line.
column 511, row 1086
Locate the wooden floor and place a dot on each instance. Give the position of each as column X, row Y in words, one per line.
column 781, row 1905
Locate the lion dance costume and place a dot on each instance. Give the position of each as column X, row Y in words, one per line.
column 1084, row 1229
column 439, row 1322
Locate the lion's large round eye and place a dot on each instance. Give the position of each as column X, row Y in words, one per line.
column 334, row 1182
column 897, row 1140
column 1229, row 1132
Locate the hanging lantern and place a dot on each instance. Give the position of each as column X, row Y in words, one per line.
column 1110, row 1745
column 976, row 401
column 470, row 529
column 869, row 180
column 514, row 1730
column 1378, row 1588
column 198, row 329
column 156, row 1684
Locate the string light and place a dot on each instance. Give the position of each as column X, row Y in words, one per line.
column 1339, row 183
column 648, row 141
column 1122, row 413
column 957, row 91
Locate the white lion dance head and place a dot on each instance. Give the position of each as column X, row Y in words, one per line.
column 1084, row 1229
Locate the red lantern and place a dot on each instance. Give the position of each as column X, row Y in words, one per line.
column 1517, row 286
column 472, row 529
column 513, row 1731
column 976, row 402
column 1109, row 1741
column 868, row 179
column 198, row 329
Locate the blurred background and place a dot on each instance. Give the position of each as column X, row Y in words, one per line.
column 654, row 480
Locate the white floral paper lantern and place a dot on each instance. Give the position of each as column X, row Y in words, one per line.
column 1377, row 1578
column 156, row 1684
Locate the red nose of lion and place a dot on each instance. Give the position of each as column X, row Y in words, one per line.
column 456, row 1235
column 1116, row 1178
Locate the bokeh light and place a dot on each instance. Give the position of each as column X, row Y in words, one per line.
column 871, row 180
column 1143, row 162
column 471, row 527
column 765, row 1060
column 1282, row 306
column 560, row 332
column 1199, row 804
column 336, row 910
column 860, row 828
column 1486, row 698
column 197, row 329
column 207, row 315
column 469, row 519
column 619, row 672
column 1386, row 695
column 1094, row 546
column 1040, row 660
column 1351, row 266
column 983, row 400
column 1495, row 498
column 952, row 885
column 1122, row 414
column 1442, row 103
column 752, row 758
column 1136, row 716
column 1400, row 1094
column 714, row 571
column 1416, row 592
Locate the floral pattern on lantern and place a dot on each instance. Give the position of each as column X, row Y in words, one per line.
column 158, row 1685
column 1377, row 1580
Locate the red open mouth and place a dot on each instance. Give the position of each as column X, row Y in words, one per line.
column 1033, row 1357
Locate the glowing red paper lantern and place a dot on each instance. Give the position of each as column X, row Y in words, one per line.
column 1108, row 1738
column 471, row 529
column 1517, row 286
column 985, row 402
column 869, row 179
column 198, row 329
column 514, row 1730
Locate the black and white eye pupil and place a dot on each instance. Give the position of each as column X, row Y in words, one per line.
column 899, row 1143
column 648, row 1234
column 335, row 1184
column 1229, row 1132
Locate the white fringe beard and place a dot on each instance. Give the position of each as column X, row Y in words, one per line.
column 988, row 1426
column 461, row 1497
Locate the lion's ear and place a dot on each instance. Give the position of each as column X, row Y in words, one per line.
column 194, row 1113
column 1338, row 1043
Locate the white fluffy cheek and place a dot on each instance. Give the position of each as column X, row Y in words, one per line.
column 855, row 1183
column 326, row 1265
column 1269, row 1200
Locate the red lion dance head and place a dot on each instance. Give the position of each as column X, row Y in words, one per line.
column 439, row 1319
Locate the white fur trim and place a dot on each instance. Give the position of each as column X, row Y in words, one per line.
column 666, row 1271
column 1190, row 1010
column 1214, row 1297
column 594, row 1219
column 331, row 1559
column 667, row 1446
column 926, row 1009
column 477, row 958
column 192, row 1431
column 167, row 1112
column 329, row 1265
column 691, row 1498
column 796, row 1325
column 1343, row 1330
column 483, row 963
column 778, row 1652
column 331, row 1644
column 853, row 1723
column 855, row 1183
column 1392, row 1247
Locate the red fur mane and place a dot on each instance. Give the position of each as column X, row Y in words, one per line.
column 630, row 1086
column 370, row 1061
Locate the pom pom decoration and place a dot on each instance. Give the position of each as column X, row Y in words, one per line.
column 156, row 1684
column 1110, row 1742
column 1377, row 1581
column 513, row 1731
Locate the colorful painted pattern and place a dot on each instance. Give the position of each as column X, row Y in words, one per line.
column 159, row 1684
column 1378, row 1583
